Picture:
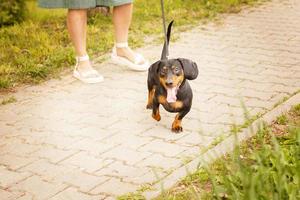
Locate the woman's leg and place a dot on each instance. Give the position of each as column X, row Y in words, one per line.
column 77, row 27
column 122, row 18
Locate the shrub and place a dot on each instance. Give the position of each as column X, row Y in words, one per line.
column 12, row 11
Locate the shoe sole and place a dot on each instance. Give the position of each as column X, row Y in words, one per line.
column 90, row 81
column 124, row 62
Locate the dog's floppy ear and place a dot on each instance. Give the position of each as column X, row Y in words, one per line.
column 190, row 68
column 153, row 78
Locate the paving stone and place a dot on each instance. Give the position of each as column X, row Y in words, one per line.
column 93, row 132
column 114, row 187
column 128, row 139
column 153, row 175
column 46, row 169
column 74, row 194
column 126, row 155
column 8, row 195
column 92, row 147
column 64, row 174
column 159, row 161
column 161, row 133
column 39, row 188
column 86, row 162
column 10, row 177
column 15, row 162
column 128, row 124
column 165, row 148
column 17, row 148
column 195, row 139
column 121, row 170
column 82, row 141
column 53, row 154
column 85, row 182
column 61, row 141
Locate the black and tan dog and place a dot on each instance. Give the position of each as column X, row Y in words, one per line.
column 168, row 86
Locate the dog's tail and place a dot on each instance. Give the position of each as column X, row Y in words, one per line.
column 164, row 51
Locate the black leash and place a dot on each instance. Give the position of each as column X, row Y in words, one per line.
column 165, row 30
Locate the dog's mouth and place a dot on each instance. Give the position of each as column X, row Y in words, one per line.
column 171, row 94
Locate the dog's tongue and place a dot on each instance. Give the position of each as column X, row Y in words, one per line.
column 171, row 95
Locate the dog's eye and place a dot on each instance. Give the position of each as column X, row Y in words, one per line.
column 177, row 70
column 163, row 71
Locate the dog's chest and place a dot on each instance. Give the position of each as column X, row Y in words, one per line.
column 171, row 107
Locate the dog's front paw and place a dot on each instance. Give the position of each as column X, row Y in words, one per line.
column 176, row 126
column 156, row 116
column 177, row 129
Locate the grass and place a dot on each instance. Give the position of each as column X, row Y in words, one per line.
column 282, row 120
column 39, row 48
column 136, row 195
column 264, row 167
column 8, row 100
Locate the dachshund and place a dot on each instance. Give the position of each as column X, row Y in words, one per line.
column 168, row 85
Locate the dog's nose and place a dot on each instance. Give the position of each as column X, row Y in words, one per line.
column 169, row 82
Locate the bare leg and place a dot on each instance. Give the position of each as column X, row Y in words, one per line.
column 122, row 18
column 77, row 27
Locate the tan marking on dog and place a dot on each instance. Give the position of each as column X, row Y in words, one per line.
column 162, row 100
column 176, row 105
column 150, row 97
column 177, row 80
column 163, row 82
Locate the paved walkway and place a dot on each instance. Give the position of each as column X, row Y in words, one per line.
column 66, row 140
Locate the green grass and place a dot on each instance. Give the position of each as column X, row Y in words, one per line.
column 39, row 48
column 8, row 100
column 282, row 120
column 296, row 109
column 136, row 195
column 264, row 167
column 133, row 196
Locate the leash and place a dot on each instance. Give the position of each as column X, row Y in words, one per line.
column 164, row 27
